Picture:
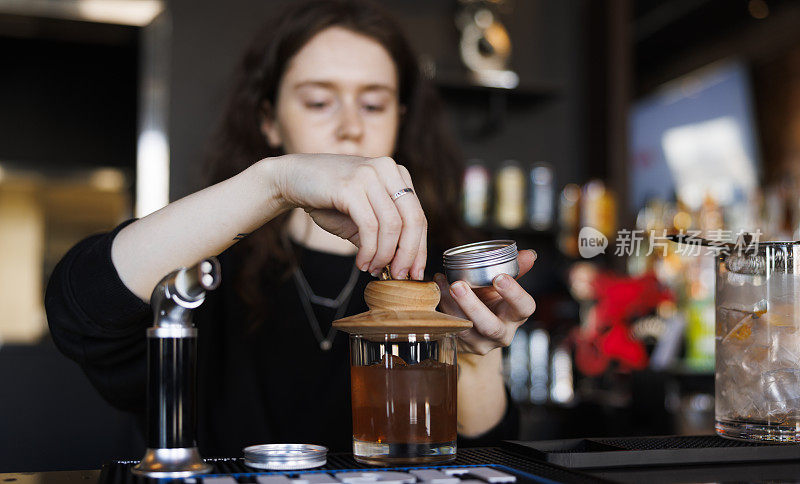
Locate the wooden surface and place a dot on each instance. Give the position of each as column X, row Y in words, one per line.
column 402, row 307
column 402, row 295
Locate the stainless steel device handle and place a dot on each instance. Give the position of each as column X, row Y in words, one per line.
column 183, row 290
column 172, row 373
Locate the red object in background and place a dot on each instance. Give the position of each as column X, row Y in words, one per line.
column 607, row 336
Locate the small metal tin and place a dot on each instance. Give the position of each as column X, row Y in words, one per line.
column 479, row 263
column 285, row 456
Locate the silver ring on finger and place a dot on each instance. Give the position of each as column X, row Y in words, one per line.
column 402, row 192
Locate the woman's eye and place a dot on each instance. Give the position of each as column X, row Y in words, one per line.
column 317, row 104
column 374, row 108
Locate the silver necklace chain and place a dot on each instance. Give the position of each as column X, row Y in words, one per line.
column 307, row 297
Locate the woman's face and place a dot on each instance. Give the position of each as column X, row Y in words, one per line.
column 338, row 95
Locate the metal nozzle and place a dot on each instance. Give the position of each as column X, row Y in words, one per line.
column 183, row 290
column 191, row 283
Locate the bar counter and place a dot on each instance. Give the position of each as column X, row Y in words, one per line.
column 635, row 460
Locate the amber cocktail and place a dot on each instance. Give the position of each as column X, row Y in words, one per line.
column 403, row 375
column 404, row 398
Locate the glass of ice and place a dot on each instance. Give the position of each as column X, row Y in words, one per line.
column 404, row 398
column 758, row 343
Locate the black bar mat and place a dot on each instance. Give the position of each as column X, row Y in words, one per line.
column 648, row 451
column 536, row 471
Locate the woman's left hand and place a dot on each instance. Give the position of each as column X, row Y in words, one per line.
column 496, row 312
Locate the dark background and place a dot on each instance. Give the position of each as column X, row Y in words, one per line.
column 544, row 121
column 68, row 93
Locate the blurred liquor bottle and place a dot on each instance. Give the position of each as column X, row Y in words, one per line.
column 537, row 372
column 772, row 213
column 510, row 196
column 562, row 381
column 699, row 284
column 599, row 208
column 568, row 219
column 783, row 210
column 539, row 348
column 540, row 197
column 476, row 193
column 710, row 217
column 516, row 366
column 699, row 314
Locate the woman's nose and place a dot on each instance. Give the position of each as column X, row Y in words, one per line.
column 350, row 125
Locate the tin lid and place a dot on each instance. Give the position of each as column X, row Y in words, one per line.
column 401, row 307
column 479, row 254
column 285, row 456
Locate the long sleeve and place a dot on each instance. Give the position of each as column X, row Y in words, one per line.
column 98, row 322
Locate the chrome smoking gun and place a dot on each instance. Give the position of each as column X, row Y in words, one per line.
column 172, row 373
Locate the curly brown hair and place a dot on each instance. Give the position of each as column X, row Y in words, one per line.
column 424, row 144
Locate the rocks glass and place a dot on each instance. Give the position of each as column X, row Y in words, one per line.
column 758, row 343
column 403, row 375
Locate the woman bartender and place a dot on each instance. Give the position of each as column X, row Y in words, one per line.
column 332, row 77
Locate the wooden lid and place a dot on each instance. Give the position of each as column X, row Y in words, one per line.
column 402, row 307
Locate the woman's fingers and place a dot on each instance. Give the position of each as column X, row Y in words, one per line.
column 447, row 303
column 360, row 211
column 483, row 319
column 411, row 215
column 418, row 267
column 517, row 304
column 390, row 227
column 337, row 223
column 471, row 340
column 389, row 231
column 513, row 303
column 496, row 312
column 526, row 258
column 409, row 244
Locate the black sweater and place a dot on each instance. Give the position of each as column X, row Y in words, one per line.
column 256, row 383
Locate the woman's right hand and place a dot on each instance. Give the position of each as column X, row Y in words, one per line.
column 350, row 196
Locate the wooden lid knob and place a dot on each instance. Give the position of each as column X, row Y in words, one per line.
column 402, row 295
column 402, row 307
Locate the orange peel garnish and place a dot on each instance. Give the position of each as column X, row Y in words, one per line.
column 742, row 332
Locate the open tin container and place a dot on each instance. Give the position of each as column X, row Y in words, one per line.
column 479, row 263
column 403, row 375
